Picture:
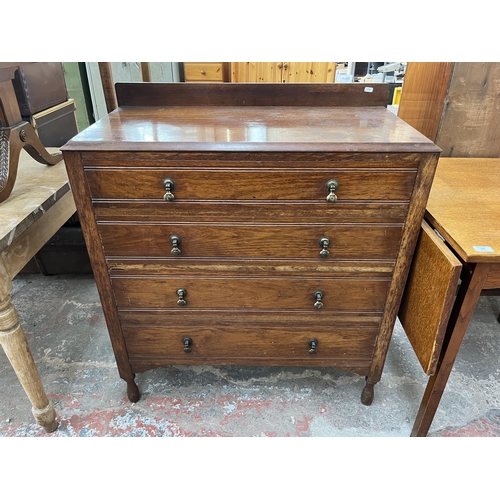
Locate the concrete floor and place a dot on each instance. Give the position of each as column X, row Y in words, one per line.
column 65, row 328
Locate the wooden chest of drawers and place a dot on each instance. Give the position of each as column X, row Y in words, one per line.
column 251, row 224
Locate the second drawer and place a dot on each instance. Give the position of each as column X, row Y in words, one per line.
column 340, row 241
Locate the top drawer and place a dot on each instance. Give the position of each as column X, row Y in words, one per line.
column 251, row 184
column 205, row 72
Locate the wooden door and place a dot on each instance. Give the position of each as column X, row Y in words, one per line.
column 256, row 72
column 308, row 72
column 283, row 72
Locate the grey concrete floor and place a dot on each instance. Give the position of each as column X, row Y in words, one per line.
column 65, row 328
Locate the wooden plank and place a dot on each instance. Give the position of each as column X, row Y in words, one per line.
column 45, row 112
column 146, row 72
column 256, row 72
column 423, row 96
column 428, row 297
column 251, row 94
column 471, row 122
column 37, row 185
column 309, row 72
column 25, row 246
column 107, row 85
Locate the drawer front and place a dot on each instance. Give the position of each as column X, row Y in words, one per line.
column 248, row 341
column 207, row 267
column 203, row 72
column 337, row 294
column 227, row 211
column 258, row 241
column 207, row 184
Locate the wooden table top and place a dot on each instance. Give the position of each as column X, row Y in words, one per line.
column 464, row 206
column 252, row 128
column 37, row 188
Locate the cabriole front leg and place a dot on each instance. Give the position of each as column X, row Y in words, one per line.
column 13, row 342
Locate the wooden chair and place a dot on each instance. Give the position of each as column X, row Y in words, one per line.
column 16, row 134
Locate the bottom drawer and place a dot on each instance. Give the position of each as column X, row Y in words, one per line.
column 249, row 343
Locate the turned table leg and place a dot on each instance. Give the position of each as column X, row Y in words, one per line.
column 13, row 341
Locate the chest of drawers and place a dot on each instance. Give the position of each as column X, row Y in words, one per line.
column 251, row 224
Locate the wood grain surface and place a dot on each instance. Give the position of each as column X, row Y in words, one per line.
column 250, row 341
column 424, row 95
column 241, row 293
column 250, row 164
column 245, row 211
column 428, row 298
column 470, row 125
column 251, row 128
column 239, row 184
column 38, row 187
column 252, row 94
column 256, row 241
column 464, row 206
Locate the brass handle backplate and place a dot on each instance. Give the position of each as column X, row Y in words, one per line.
column 313, row 343
column 175, row 241
column 323, row 243
column 169, row 186
column 318, row 295
column 331, row 187
column 187, row 343
column 181, row 293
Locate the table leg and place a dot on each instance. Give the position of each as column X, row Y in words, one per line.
column 473, row 280
column 13, row 341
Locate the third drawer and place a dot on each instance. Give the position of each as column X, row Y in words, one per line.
column 251, row 293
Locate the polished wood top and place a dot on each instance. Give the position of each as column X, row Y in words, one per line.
column 464, row 206
column 253, row 128
column 38, row 187
column 251, row 117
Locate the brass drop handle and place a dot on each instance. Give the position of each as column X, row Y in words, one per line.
column 331, row 187
column 175, row 241
column 318, row 295
column 323, row 243
column 313, row 343
column 187, row 343
column 181, row 293
column 169, row 186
